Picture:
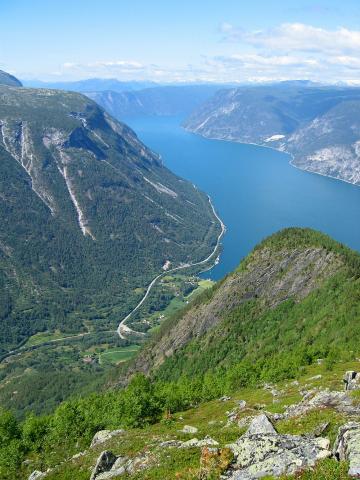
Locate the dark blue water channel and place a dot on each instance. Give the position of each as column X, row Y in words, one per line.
column 255, row 190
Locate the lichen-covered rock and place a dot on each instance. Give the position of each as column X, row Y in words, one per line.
column 261, row 455
column 104, row 463
column 259, row 425
column 351, row 380
column 205, row 442
column 340, row 401
column 347, row 446
column 103, row 435
column 189, row 429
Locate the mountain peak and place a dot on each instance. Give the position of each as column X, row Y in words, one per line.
column 10, row 80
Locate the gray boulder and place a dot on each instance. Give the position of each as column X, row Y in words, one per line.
column 262, row 452
column 189, row 429
column 36, row 475
column 347, row 447
column 261, row 455
column 104, row 463
column 205, row 442
column 351, row 380
column 103, row 435
column 259, row 425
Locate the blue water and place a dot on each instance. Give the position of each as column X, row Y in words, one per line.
column 255, row 190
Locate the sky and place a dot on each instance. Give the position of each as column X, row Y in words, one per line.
column 169, row 41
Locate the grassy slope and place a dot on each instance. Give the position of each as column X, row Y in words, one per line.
column 210, row 419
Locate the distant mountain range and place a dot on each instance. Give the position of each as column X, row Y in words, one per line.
column 91, row 85
column 318, row 126
column 88, row 214
column 156, row 101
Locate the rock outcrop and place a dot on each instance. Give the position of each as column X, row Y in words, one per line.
column 351, row 380
column 340, row 401
column 261, row 452
column 104, row 463
column 103, row 435
column 347, row 447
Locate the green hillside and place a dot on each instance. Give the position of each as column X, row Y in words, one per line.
column 283, row 327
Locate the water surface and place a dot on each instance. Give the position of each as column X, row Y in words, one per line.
column 254, row 189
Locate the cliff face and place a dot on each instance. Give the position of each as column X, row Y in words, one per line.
column 318, row 126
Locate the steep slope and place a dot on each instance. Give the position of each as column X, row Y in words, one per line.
column 318, row 126
column 161, row 100
column 88, row 214
column 10, row 80
column 257, row 379
column 285, row 302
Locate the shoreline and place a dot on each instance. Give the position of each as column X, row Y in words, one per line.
column 291, row 162
column 122, row 327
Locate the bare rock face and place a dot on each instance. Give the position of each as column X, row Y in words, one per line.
column 351, row 380
column 262, row 452
column 347, row 447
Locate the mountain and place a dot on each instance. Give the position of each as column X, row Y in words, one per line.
column 161, row 100
column 293, row 297
column 91, row 85
column 89, row 215
column 245, row 382
column 7, row 79
column 318, row 126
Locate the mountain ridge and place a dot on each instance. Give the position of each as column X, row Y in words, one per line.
column 311, row 124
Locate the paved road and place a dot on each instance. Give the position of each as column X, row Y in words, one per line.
column 123, row 329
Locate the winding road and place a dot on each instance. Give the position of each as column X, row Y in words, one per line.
column 123, row 329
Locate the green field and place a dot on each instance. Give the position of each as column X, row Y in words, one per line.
column 179, row 302
column 117, row 355
column 43, row 337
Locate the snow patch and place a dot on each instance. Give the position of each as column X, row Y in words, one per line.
column 275, row 138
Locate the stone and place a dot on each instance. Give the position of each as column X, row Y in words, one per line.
column 36, row 475
column 320, row 429
column 351, row 380
column 103, row 435
column 347, row 447
column 340, row 401
column 241, row 404
column 259, row 425
column 189, row 429
column 225, row 398
column 205, row 442
column 170, row 443
column 269, row 454
column 104, row 463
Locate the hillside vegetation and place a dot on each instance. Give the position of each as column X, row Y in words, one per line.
column 292, row 301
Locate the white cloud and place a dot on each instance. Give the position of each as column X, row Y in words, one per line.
column 296, row 37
